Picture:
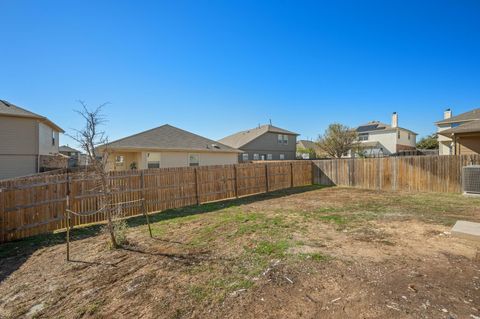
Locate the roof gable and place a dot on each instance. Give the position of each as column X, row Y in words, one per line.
column 167, row 137
column 242, row 138
column 9, row 109
column 467, row 116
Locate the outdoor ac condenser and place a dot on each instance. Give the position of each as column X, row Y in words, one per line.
column 471, row 179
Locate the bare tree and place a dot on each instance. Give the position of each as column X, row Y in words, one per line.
column 90, row 137
column 337, row 140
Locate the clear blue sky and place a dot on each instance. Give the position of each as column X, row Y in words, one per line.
column 216, row 67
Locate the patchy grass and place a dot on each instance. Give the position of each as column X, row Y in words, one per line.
column 294, row 244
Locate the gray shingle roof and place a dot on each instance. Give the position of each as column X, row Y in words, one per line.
column 66, row 148
column 379, row 126
column 167, row 137
column 467, row 116
column 239, row 139
column 9, row 109
column 307, row 144
column 469, row 127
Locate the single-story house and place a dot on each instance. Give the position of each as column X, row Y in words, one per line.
column 166, row 146
column 266, row 142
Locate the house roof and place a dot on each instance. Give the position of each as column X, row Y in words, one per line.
column 469, row 127
column 307, row 144
column 376, row 126
column 244, row 137
column 66, row 148
column 9, row 109
column 167, row 137
column 467, row 116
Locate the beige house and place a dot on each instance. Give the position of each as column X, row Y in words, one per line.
column 167, row 146
column 28, row 143
column 459, row 134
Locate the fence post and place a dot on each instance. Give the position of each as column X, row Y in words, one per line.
column 313, row 172
column 2, row 215
column 197, row 195
column 236, row 179
column 266, row 178
column 291, row 174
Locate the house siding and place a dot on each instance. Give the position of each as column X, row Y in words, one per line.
column 18, row 136
column 17, row 165
column 45, row 140
column 170, row 159
column 467, row 145
column 268, row 144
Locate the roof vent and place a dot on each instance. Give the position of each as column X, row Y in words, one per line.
column 215, row 146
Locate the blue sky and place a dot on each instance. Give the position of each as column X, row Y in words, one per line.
column 217, row 67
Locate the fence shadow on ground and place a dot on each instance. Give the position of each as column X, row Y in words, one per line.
column 14, row 254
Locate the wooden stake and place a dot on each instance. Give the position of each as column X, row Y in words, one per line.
column 146, row 216
column 144, row 204
column 68, row 233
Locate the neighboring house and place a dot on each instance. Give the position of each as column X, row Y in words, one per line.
column 379, row 139
column 29, row 142
column 73, row 155
column 166, row 146
column 459, row 134
column 308, row 150
column 265, row 142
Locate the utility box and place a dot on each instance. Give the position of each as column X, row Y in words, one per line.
column 471, row 179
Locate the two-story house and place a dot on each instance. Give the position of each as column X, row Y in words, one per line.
column 28, row 143
column 380, row 139
column 459, row 134
column 266, row 142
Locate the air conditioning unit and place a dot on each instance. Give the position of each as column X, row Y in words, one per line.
column 471, row 179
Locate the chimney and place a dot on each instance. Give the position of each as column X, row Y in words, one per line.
column 447, row 114
column 394, row 119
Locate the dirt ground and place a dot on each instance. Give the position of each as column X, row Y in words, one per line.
column 304, row 253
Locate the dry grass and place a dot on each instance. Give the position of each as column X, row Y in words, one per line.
column 285, row 254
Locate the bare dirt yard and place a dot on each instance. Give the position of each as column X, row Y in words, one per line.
column 302, row 253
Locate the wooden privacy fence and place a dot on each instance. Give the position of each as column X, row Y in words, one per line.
column 415, row 173
column 36, row 205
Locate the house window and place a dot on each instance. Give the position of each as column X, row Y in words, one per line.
column 363, row 137
column 409, row 136
column 256, row 157
column 280, row 139
column 282, row 156
column 398, row 134
column 245, row 157
column 285, row 139
column 193, row 160
column 153, row 164
column 153, row 160
column 269, row 157
column 119, row 159
column 53, row 138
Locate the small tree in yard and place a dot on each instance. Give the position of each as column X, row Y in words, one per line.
column 337, row 140
column 89, row 138
column 429, row 142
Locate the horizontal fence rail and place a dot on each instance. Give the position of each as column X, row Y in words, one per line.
column 413, row 173
column 36, row 205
